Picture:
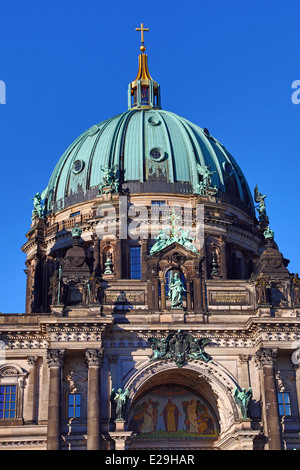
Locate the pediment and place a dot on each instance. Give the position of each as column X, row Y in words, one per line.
column 173, row 249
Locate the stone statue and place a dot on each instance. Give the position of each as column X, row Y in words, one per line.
column 296, row 289
column 205, row 187
column 56, row 287
column 120, row 399
column 176, row 290
column 110, row 180
column 263, row 289
column 93, row 287
column 53, row 291
column 242, row 399
column 260, row 199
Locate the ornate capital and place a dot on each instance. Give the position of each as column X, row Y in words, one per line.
column 55, row 357
column 244, row 358
column 266, row 357
column 94, row 357
column 31, row 360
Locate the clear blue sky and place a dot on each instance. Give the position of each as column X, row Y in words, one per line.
column 225, row 65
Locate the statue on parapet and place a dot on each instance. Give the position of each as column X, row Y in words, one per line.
column 39, row 209
column 204, row 187
column 296, row 289
column 261, row 209
column 94, row 287
column 263, row 288
column 110, row 181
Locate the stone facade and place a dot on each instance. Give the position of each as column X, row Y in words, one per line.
column 104, row 358
column 90, row 342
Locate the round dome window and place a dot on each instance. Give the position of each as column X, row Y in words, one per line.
column 153, row 121
column 78, row 166
column 93, row 130
column 227, row 168
column 157, row 154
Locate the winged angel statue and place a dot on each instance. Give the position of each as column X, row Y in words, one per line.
column 260, row 199
column 205, row 185
column 110, row 181
column 38, row 205
column 242, row 399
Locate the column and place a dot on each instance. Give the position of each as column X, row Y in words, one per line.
column 94, row 361
column 244, row 371
column 118, row 258
column 297, row 377
column 188, row 295
column 197, row 294
column 163, row 293
column 96, row 266
column 55, row 359
column 29, row 410
column 156, row 293
column 265, row 359
column 28, row 286
column 223, row 257
column 144, row 253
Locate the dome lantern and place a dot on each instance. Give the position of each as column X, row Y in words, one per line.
column 143, row 92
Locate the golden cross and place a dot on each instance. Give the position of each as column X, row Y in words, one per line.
column 142, row 29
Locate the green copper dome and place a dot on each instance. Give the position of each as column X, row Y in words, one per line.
column 156, row 151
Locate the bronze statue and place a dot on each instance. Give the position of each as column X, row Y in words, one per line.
column 120, row 399
column 176, row 290
column 260, row 199
column 243, row 398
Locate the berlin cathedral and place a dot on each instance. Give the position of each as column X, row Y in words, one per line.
column 160, row 312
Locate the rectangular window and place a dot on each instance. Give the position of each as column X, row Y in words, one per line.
column 158, row 203
column 74, row 214
column 74, row 405
column 284, row 404
column 8, row 401
column 135, row 262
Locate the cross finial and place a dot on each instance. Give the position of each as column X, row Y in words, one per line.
column 142, row 29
